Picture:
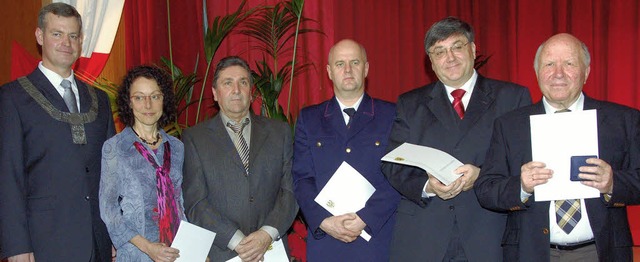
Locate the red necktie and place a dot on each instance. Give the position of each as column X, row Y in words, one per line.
column 457, row 101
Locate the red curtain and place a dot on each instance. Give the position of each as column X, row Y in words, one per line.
column 393, row 32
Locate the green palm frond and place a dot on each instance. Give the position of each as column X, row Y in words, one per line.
column 111, row 89
column 221, row 27
column 215, row 34
column 273, row 28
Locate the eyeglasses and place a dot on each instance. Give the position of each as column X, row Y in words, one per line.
column 141, row 99
column 440, row 52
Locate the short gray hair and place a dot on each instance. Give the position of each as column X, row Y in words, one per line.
column 59, row 9
column 585, row 53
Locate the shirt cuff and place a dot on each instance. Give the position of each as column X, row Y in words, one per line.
column 424, row 191
column 235, row 240
column 524, row 196
column 272, row 231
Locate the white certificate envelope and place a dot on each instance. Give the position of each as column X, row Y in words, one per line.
column 554, row 139
column 275, row 253
column 347, row 191
column 436, row 162
column 193, row 242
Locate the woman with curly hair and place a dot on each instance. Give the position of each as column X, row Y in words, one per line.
column 140, row 188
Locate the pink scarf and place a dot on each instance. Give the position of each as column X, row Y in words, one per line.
column 168, row 218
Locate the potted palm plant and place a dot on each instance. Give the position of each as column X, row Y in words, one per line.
column 274, row 28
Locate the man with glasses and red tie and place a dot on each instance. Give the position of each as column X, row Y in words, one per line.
column 435, row 222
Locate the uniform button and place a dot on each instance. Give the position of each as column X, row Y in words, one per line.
column 87, row 198
column 348, row 150
column 250, row 199
column 86, row 169
column 545, row 231
column 377, row 143
column 318, row 144
column 452, row 208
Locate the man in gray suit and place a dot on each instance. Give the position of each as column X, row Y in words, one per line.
column 237, row 171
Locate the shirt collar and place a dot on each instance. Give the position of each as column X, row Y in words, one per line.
column 578, row 105
column 467, row 86
column 355, row 105
column 54, row 77
column 226, row 119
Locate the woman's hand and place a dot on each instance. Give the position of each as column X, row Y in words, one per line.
column 158, row 252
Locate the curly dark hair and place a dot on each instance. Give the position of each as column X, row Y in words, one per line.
column 162, row 78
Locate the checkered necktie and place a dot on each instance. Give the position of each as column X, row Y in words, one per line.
column 568, row 214
column 241, row 143
column 567, row 211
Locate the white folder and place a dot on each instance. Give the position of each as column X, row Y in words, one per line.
column 347, row 191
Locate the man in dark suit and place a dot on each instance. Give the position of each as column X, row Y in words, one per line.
column 455, row 114
column 507, row 181
column 50, row 152
column 351, row 127
column 237, row 171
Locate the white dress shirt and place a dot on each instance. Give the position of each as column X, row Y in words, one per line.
column 56, row 79
column 582, row 231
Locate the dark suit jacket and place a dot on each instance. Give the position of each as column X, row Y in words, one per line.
column 322, row 143
column 48, row 185
column 219, row 196
column 526, row 237
column 425, row 117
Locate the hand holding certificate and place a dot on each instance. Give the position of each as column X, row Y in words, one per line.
column 436, row 162
column 193, row 242
column 347, row 191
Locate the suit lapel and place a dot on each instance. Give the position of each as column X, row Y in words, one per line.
column 258, row 137
column 538, row 109
column 364, row 114
column 481, row 99
column 333, row 118
column 45, row 87
column 85, row 98
column 438, row 103
column 221, row 137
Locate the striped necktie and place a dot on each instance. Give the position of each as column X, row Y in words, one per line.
column 241, row 144
column 457, row 102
